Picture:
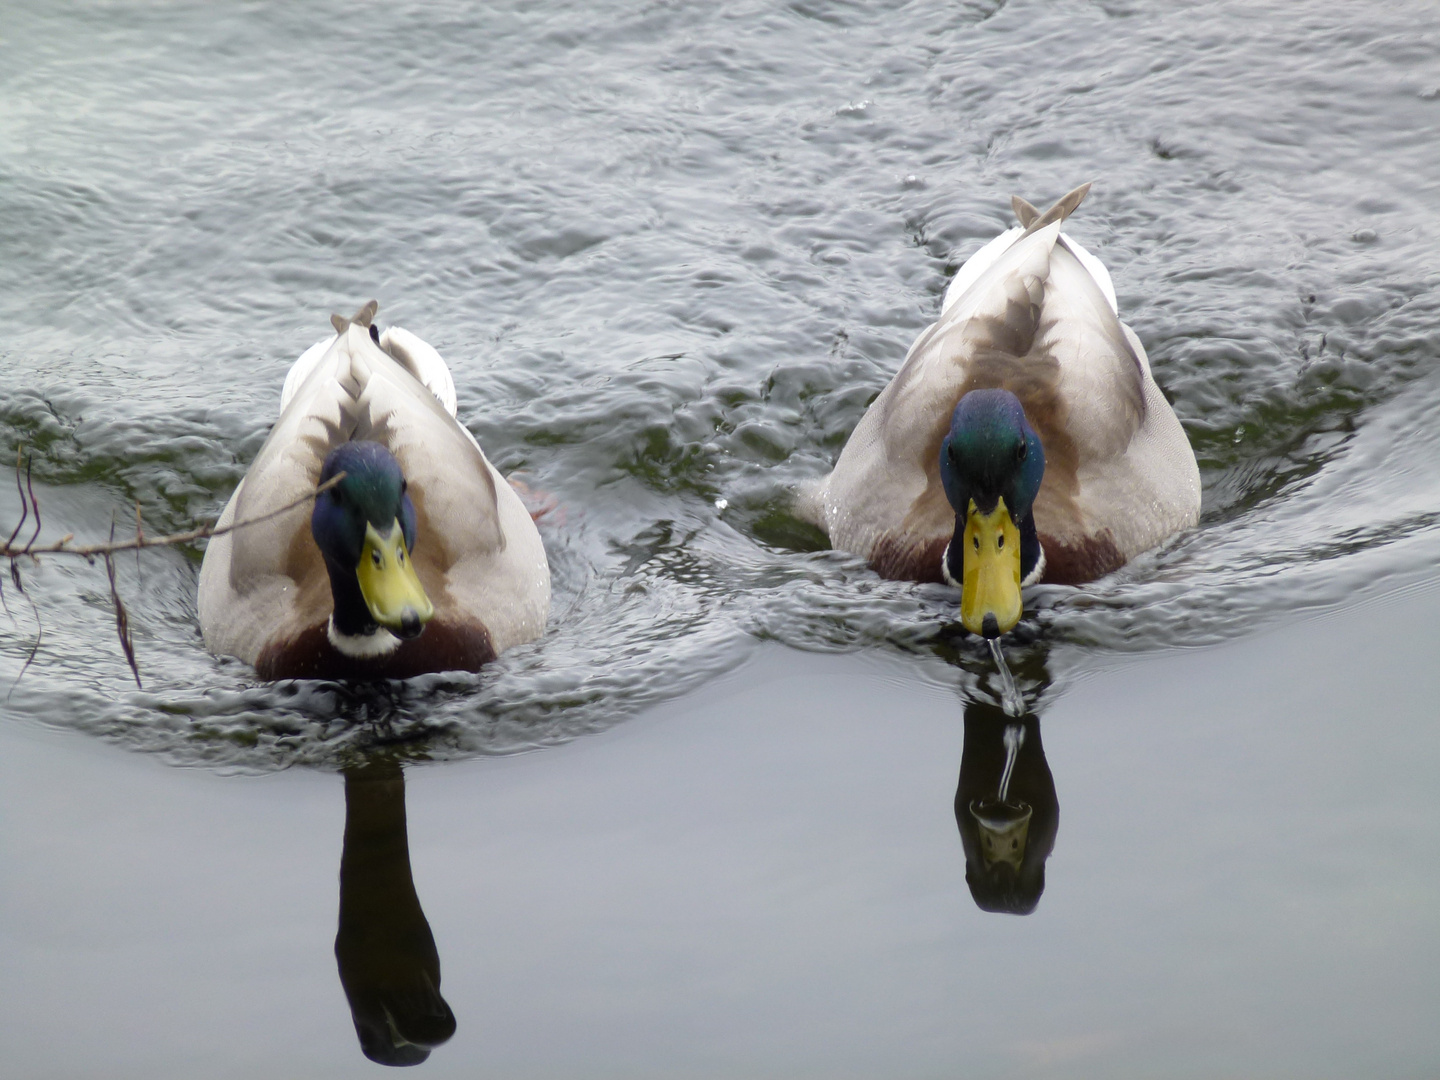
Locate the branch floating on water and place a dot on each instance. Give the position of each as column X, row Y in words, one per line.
column 29, row 504
column 122, row 618
column 9, row 550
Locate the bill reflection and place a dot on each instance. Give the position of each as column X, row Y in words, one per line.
column 1005, row 808
column 386, row 954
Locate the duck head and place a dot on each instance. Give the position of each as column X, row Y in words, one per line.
column 991, row 463
column 365, row 528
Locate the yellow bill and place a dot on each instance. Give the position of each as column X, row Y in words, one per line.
column 991, row 582
column 389, row 583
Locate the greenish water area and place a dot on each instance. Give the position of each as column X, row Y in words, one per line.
column 745, row 809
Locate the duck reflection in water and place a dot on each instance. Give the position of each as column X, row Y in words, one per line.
column 1006, row 809
column 386, row 953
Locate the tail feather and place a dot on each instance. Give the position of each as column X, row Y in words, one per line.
column 362, row 318
column 1062, row 209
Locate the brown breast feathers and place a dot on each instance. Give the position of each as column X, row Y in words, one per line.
column 444, row 646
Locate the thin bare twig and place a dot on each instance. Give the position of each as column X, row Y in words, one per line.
column 34, row 502
column 122, row 618
column 35, row 648
column 62, row 546
column 24, row 513
column 29, row 502
column 24, row 502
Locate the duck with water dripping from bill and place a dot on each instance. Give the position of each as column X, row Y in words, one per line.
column 1022, row 440
column 421, row 558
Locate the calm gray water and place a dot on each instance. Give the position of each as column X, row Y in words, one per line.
column 671, row 251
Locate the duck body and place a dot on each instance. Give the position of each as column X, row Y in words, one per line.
column 421, row 558
column 1066, row 428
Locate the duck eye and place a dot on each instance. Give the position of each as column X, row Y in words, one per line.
column 1020, row 450
column 977, row 543
column 400, row 555
column 1000, row 543
column 377, row 558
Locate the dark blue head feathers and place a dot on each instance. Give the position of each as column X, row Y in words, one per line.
column 372, row 492
column 991, row 452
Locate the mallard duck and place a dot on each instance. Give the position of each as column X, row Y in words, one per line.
column 1023, row 439
column 422, row 558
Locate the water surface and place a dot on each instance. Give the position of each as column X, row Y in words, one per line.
column 671, row 251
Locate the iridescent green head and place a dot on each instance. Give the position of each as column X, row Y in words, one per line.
column 365, row 528
column 991, row 464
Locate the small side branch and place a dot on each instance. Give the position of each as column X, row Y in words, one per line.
column 24, row 514
column 34, row 502
column 122, row 618
column 30, row 505
column 63, row 546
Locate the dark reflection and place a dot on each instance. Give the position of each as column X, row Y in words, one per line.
column 1006, row 809
column 1005, row 804
column 386, row 953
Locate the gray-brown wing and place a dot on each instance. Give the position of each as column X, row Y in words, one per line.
column 885, row 486
column 478, row 551
column 269, row 579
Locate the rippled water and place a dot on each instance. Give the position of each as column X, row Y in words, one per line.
column 671, row 252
